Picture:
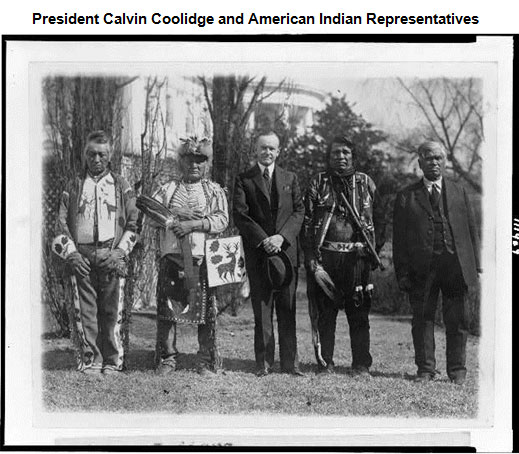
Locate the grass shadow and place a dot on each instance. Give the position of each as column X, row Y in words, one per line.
column 140, row 360
column 59, row 359
column 399, row 375
column 144, row 360
column 249, row 366
column 239, row 365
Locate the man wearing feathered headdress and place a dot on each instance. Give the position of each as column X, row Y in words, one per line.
column 200, row 209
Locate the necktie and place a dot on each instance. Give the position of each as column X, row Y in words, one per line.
column 434, row 196
column 266, row 179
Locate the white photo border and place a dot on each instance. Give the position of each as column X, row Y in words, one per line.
column 28, row 61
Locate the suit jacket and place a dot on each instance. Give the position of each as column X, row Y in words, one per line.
column 413, row 231
column 255, row 218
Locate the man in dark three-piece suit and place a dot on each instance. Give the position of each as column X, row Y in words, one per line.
column 436, row 248
column 268, row 211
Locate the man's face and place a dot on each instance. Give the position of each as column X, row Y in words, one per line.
column 341, row 157
column 267, row 149
column 432, row 164
column 193, row 168
column 97, row 157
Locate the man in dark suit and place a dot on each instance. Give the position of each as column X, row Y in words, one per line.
column 268, row 211
column 436, row 248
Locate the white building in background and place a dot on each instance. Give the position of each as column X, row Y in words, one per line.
column 292, row 103
column 180, row 110
column 183, row 110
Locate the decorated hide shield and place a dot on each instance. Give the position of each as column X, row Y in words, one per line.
column 225, row 261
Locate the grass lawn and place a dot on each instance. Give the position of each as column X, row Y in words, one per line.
column 391, row 391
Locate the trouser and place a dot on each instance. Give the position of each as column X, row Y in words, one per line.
column 445, row 275
column 341, row 268
column 264, row 299
column 171, row 272
column 98, row 308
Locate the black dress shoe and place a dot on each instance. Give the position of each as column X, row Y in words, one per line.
column 424, row 378
column 329, row 369
column 458, row 380
column 361, row 372
column 295, row 372
column 206, row 371
column 261, row 372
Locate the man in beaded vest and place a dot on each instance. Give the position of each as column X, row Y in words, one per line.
column 333, row 243
column 200, row 206
column 436, row 248
column 97, row 229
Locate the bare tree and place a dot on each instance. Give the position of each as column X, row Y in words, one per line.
column 453, row 110
column 142, row 276
column 230, row 113
column 73, row 107
column 231, row 101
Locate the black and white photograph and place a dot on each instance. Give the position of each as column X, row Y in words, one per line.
column 249, row 242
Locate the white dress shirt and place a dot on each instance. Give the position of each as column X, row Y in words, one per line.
column 429, row 184
column 270, row 169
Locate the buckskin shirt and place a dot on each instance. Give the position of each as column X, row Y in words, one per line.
column 172, row 290
column 96, row 216
column 205, row 195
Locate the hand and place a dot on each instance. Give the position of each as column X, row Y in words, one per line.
column 79, row 264
column 272, row 244
column 114, row 259
column 405, row 284
column 313, row 265
column 184, row 228
column 186, row 213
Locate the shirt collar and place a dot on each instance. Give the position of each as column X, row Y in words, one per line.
column 270, row 167
column 98, row 178
column 429, row 184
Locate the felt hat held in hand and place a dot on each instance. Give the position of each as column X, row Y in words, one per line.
column 278, row 269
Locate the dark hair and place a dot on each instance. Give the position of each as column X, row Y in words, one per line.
column 343, row 140
column 95, row 137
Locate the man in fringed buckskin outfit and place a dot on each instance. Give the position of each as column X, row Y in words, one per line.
column 334, row 247
column 96, row 230
column 182, row 292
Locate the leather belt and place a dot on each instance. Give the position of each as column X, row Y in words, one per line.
column 336, row 246
column 99, row 244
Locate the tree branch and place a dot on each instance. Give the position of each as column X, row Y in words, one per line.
column 253, row 102
column 422, row 108
column 274, row 90
column 206, row 96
